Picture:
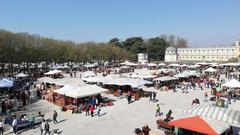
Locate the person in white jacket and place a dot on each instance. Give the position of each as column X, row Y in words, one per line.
column 42, row 127
column 14, row 125
column 1, row 127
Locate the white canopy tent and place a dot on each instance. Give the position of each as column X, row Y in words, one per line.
column 230, row 64
column 142, row 76
column 194, row 66
column 191, row 73
column 165, row 70
column 165, row 78
column 127, row 63
column 232, row 84
column 161, row 64
column 124, row 67
column 174, row 65
column 49, row 73
column 6, row 83
column 80, row 92
column 88, row 74
column 184, row 65
column 21, row 75
column 181, row 75
column 152, row 65
column 52, row 72
column 202, row 63
column 90, row 65
column 228, row 116
column 211, row 70
column 93, row 80
column 134, row 83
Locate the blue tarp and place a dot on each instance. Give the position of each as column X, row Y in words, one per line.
column 6, row 83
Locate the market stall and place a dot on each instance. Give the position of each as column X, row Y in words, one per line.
column 197, row 124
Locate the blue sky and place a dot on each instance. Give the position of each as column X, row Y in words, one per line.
column 201, row 22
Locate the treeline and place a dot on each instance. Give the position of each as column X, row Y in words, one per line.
column 154, row 47
column 23, row 47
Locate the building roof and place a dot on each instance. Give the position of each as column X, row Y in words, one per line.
column 171, row 48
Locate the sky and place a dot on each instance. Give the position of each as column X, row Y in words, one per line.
column 201, row 22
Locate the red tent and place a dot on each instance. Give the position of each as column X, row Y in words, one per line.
column 195, row 123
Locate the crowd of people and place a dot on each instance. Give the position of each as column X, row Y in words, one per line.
column 93, row 106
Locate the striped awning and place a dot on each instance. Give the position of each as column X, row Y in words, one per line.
column 229, row 116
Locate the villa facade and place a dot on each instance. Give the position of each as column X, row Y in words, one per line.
column 220, row 54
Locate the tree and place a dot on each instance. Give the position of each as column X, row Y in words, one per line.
column 115, row 41
column 181, row 43
column 156, row 48
column 134, row 45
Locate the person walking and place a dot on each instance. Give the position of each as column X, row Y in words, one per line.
column 129, row 97
column 31, row 119
column 3, row 105
column 14, row 125
column 42, row 127
column 154, row 97
column 119, row 94
column 1, row 127
column 99, row 110
column 92, row 110
column 47, row 128
column 157, row 110
column 54, row 117
column 150, row 96
column 205, row 97
column 87, row 110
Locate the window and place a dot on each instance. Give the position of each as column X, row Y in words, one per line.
column 217, row 50
column 232, row 49
column 222, row 49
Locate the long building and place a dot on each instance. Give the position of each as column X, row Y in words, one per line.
column 218, row 54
